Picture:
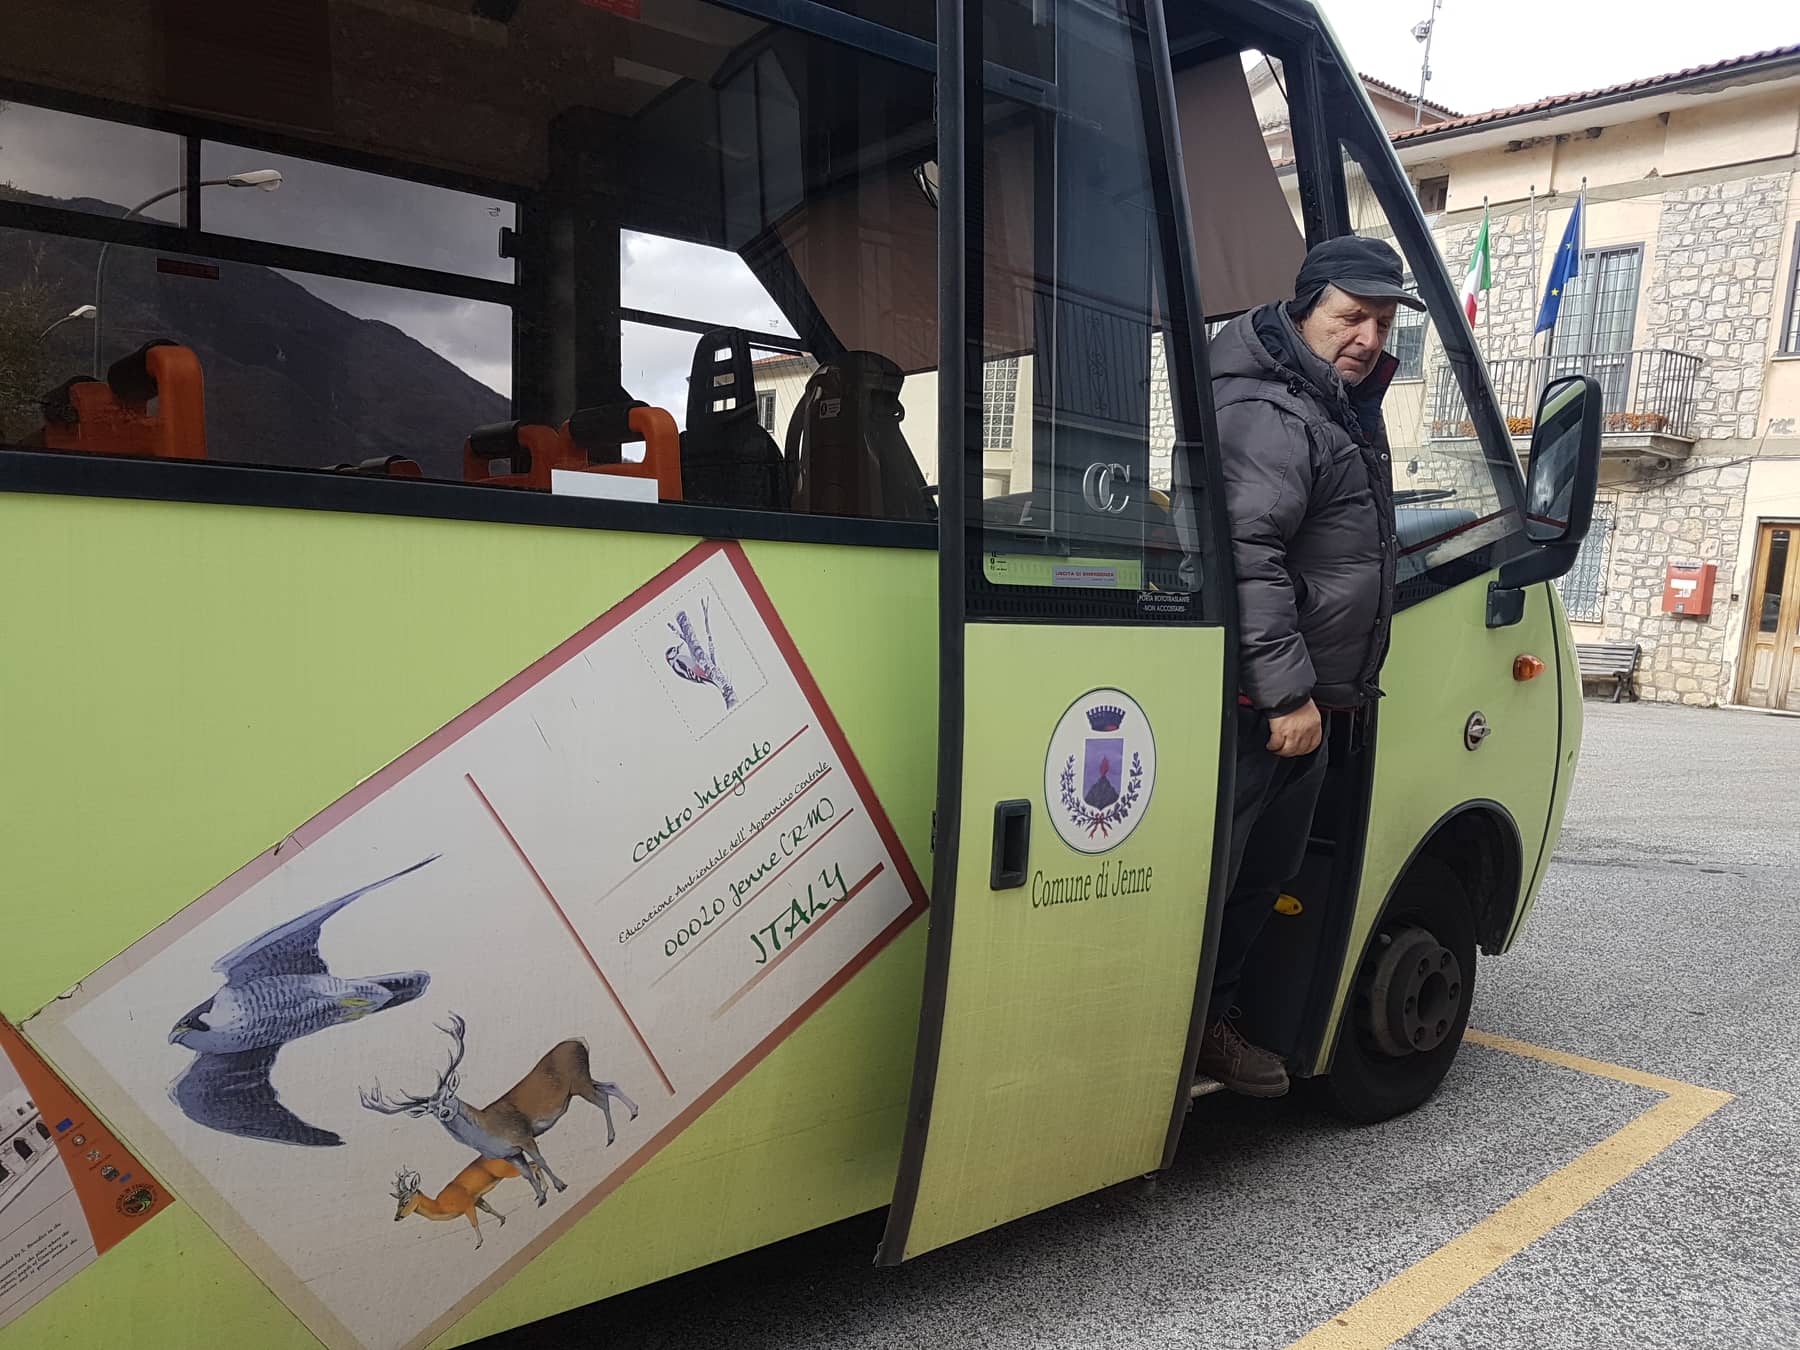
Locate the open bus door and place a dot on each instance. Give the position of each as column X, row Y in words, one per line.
column 1084, row 645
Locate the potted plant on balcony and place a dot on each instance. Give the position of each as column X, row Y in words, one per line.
column 1639, row 422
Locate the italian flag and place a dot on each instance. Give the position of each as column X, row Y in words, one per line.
column 1480, row 277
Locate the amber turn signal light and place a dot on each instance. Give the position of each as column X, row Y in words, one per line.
column 1527, row 667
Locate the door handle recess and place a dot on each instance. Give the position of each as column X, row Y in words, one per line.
column 1012, row 845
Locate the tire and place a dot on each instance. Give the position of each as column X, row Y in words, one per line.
column 1430, row 917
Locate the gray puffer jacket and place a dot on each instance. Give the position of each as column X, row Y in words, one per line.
column 1309, row 492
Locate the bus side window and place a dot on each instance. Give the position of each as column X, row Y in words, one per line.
column 414, row 267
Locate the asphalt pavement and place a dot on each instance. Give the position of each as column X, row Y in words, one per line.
column 1666, row 939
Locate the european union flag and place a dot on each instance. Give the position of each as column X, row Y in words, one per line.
column 1567, row 264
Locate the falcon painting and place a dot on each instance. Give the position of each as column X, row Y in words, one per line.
column 277, row 989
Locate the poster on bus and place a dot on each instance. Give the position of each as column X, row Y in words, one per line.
column 68, row 1189
column 410, row 1045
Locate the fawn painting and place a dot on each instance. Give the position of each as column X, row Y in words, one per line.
column 462, row 1195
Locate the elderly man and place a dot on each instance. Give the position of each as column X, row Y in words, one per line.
column 1298, row 385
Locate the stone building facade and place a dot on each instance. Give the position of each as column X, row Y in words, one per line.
column 1692, row 198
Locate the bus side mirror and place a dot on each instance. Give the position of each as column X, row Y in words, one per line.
column 1565, row 462
column 1559, row 493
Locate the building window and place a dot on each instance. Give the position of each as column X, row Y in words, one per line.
column 999, row 396
column 1434, row 194
column 1406, row 339
column 765, row 409
column 1584, row 587
column 1790, row 324
column 1594, row 326
column 1600, row 325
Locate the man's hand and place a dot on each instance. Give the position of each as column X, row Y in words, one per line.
column 1296, row 733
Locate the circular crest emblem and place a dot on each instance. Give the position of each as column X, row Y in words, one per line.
column 1100, row 771
column 136, row 1201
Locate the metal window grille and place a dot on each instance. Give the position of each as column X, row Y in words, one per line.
column 1406, row 339
column 999, row 396
column 1584, row 586
column 1790, row 326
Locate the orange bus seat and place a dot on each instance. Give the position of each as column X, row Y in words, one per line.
column 528, row 451
column 594, row 438
column 113, row 417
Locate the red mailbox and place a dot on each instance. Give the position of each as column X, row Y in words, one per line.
column 1688, row 588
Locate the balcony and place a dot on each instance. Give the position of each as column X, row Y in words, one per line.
column 1647, row 399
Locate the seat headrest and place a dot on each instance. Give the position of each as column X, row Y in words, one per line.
column 498, row 440
column 721, row 384
column 130, row 375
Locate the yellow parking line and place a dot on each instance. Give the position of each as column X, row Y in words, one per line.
column 1429, row 1286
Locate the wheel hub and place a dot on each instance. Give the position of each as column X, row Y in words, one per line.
column 1415, row 991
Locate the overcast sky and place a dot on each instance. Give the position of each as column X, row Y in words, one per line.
column 1495, row 53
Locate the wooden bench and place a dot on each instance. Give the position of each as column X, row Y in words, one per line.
column 1616, row 661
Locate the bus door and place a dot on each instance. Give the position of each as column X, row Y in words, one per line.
column 1084, row 699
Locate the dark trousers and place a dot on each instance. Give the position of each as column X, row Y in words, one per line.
column 1271, row 817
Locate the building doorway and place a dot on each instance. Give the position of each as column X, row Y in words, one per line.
column 1770, row 675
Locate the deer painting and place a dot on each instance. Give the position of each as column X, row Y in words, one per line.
column 462, row 1196
column 507, row 1128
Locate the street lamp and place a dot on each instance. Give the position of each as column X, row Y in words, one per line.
column 1422, row 32
column 266, row 179
column 79, row 312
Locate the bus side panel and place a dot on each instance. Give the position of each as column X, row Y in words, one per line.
column 1568, row 677
column 186, row 683
column 1444, row 666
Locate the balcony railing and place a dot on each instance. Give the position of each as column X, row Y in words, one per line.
column 1643, row 393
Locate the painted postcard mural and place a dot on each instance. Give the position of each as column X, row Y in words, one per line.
column 405, row 1048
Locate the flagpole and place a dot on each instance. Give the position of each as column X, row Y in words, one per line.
column 1593, row 280
column 1487, row 308
column 1538, row 290
column 1537, row 250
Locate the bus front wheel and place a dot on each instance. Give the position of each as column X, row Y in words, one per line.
column 1411, row 999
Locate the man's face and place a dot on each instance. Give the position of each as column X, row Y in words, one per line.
column 1348, row 331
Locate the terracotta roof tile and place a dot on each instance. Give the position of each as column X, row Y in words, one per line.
column 1405, row 96
column 1559, row 101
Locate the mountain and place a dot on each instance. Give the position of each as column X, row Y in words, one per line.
column 290, row 378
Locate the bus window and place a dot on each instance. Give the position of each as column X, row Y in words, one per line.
column 295, row 369
column 358, row 214
column 86, row 164
column 529, row 221
column 672, row 277
column 1455, row 500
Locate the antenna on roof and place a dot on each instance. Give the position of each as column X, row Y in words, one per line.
column 1421, row 32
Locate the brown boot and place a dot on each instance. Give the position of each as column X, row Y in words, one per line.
column 1242, row 1067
